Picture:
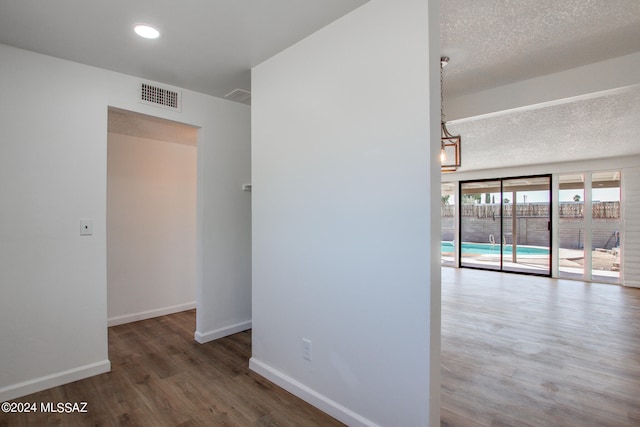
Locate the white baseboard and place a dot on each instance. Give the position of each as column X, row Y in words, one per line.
column 48, row 381
column 309, row 395
column 203, row 337
column 143, row 315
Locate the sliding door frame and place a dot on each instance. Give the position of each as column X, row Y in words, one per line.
column 514, row 213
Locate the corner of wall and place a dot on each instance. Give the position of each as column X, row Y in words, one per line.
column 204, row 337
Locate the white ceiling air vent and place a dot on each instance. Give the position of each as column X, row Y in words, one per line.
column 239, row 95
column 160, row 97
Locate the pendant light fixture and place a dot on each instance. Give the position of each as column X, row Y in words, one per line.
column 449, row 144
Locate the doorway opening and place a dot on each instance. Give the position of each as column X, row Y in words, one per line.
column 505, row 224
column 151, row 216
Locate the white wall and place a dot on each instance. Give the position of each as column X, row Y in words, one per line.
column 151, row 227
column 53, row 157
column 343, row 178
column 631, row 224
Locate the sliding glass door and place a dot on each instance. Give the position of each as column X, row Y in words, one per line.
column 505, row 224
column 480, row 224
column 526, row 228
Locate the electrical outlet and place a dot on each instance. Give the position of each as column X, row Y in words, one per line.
column 306, row 349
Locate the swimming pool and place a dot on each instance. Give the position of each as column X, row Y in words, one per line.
column 488, row 248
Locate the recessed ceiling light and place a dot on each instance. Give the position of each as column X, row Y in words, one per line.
column 146, row 31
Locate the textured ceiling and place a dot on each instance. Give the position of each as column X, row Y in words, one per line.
column 496, row 42
column 210, row 46
column 593, row 128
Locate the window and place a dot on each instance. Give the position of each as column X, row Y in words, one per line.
column 491, row 215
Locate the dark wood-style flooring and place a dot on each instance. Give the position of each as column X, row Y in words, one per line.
column 161, row 377
column 516, row 351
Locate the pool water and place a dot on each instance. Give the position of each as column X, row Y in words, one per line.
column 488, row 248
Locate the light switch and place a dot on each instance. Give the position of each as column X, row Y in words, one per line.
column 86, row 227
